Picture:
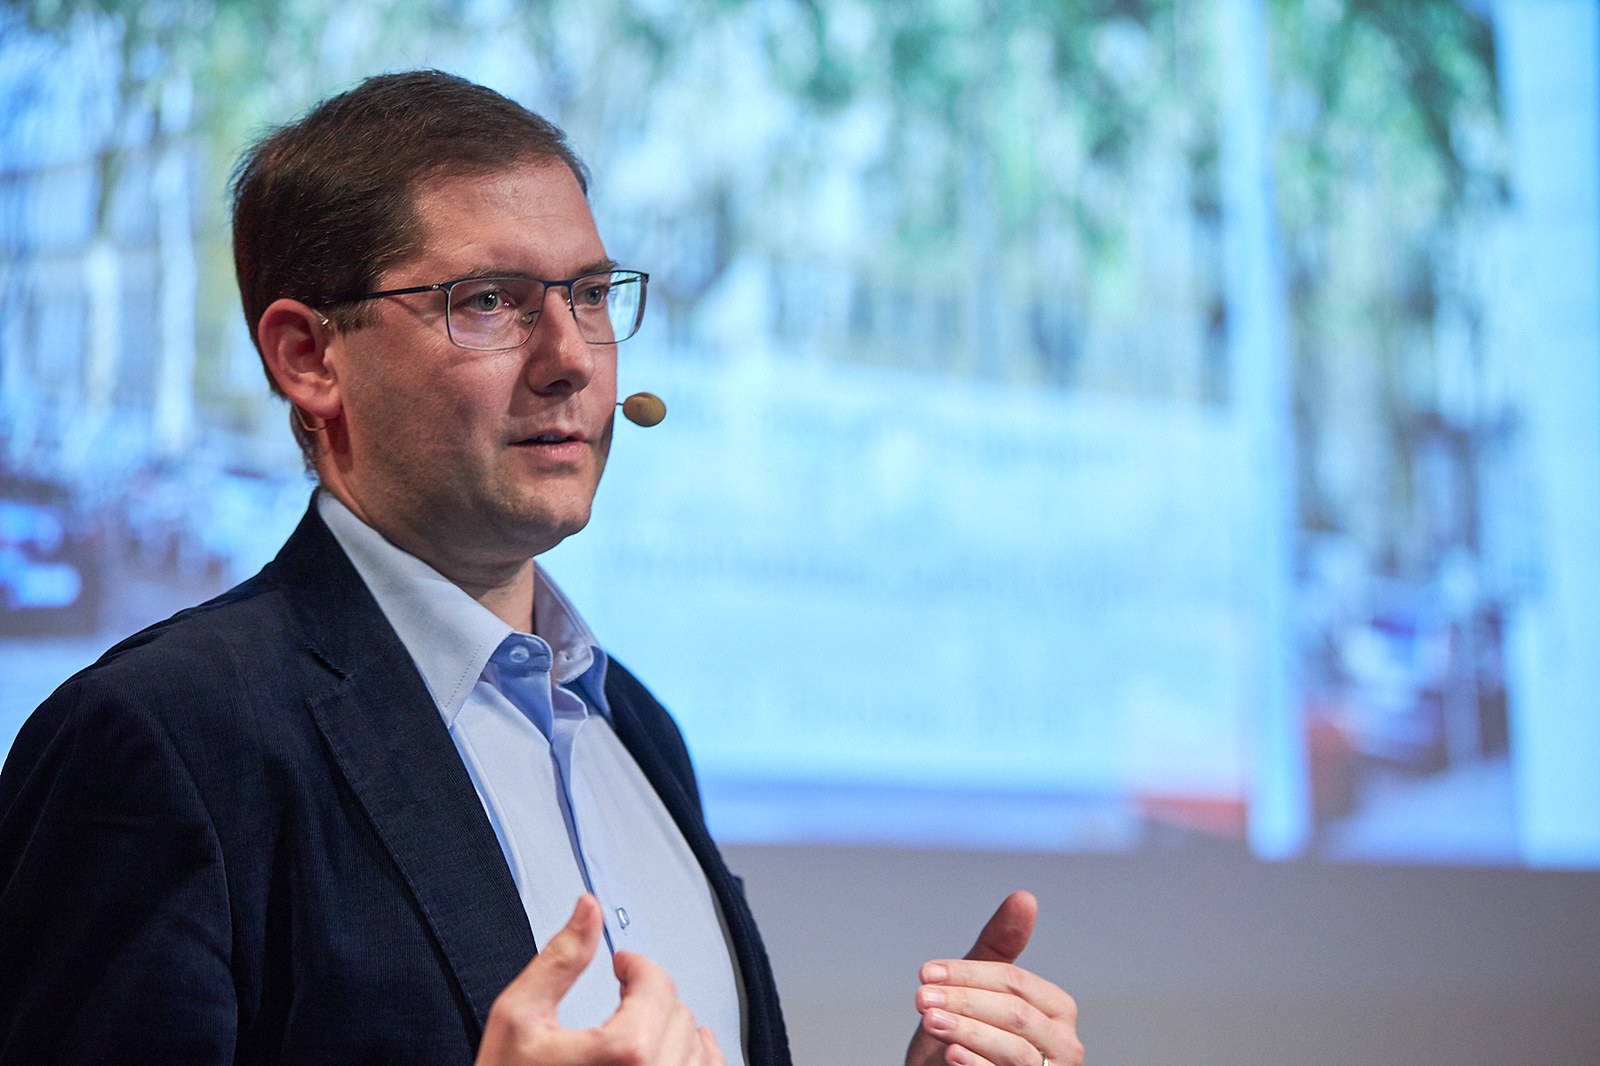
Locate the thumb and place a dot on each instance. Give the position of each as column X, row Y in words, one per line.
column 1006, row 933
column 552, row 973
column 708, row 1044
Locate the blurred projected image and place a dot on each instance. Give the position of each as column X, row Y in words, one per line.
column 1164, row 428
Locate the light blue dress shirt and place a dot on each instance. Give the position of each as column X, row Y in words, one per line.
column 572, row 810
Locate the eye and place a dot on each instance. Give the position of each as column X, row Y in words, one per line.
column 591, row 292
column 483, row 298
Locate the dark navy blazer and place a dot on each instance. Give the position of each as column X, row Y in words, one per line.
column 245, row 836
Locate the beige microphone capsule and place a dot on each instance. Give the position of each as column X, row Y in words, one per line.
column 643, row 409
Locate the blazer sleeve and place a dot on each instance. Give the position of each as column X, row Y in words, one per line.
column 114, row 921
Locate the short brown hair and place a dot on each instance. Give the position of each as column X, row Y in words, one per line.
column 323, row 206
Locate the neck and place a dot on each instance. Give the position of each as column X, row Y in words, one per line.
column 505, row 587
column 510, row 601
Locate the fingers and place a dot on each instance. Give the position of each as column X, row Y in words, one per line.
column 970, row 1043
column 652, row 1024
column 650, row 1011
column 556, row 968
column 1004, row 1034
column 1007, row 932
column 984, row 1011
column 709, row 1048
column 1004, row 1027
column 524, row 1013
column 961, row 984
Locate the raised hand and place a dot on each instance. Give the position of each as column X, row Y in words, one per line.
column 650, row 1028
column 984, row 1010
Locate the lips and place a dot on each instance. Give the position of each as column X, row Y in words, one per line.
column 554, row 436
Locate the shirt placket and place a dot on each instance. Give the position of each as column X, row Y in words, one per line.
column 525, row 673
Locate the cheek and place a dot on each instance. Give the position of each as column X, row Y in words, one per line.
column 442, row 403
column 603, row 370
column 409, row 432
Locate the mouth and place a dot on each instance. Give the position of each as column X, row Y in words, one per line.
column 552, row 438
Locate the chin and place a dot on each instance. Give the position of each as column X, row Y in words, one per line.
column 549, row 530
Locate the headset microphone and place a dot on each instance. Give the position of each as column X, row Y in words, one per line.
column 643, row 409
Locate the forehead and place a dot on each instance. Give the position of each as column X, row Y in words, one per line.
column 532, row 218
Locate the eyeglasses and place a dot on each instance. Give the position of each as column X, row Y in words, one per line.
column 492, row 314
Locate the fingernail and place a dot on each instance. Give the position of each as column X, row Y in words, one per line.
column 939, row 1021
column 935, row 973
column 933, row 997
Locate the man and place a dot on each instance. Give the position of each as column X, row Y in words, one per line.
column 331, row 816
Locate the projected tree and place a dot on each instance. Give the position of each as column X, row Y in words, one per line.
column 1392, row 185
column 1023, row 193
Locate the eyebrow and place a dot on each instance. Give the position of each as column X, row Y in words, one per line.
column 598, row 266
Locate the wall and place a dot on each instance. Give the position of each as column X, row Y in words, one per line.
column 1199, row 959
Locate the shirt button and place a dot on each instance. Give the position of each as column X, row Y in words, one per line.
column 518, row 654
column 622, row 917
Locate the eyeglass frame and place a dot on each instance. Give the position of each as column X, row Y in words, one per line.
column 564, row 283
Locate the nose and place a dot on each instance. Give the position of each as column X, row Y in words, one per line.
column 560, row 361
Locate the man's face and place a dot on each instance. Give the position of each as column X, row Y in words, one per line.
column 475, row 461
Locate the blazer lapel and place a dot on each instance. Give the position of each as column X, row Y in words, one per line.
column 393, row 749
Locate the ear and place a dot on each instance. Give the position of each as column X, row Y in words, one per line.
column 295, row 341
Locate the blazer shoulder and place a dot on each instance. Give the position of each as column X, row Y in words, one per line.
column 242, row 637
column 216, row 674
column 191, row 651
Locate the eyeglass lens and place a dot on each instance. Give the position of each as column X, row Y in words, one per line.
column 489, row 314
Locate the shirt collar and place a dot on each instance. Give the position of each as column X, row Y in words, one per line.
column 577, row 655
column 449, row 635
